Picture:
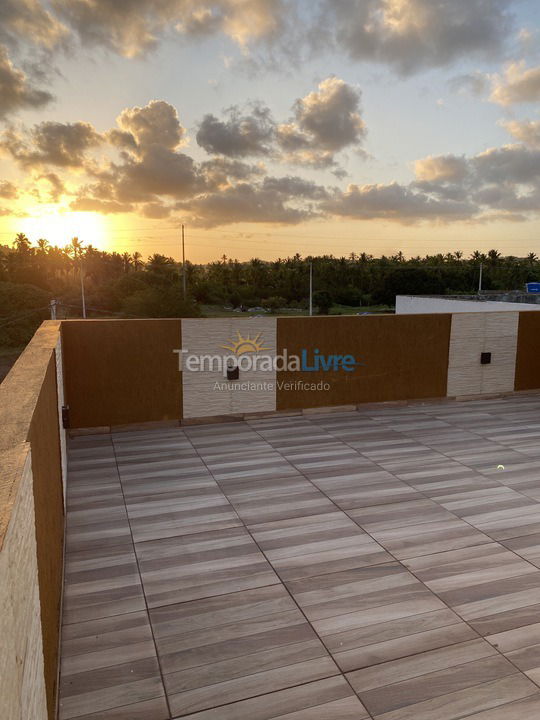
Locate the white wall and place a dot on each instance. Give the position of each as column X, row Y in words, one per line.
column 207, row 337
column 473, row 334
column 411, row 305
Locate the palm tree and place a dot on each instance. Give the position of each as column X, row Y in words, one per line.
column 159, row 263
column 43, row 245
column 22, row 243
column 477, row 255
column 136, row 260
column 77, row 250
column 126, row 259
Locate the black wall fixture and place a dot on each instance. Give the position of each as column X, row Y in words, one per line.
column 485, row 358
column 233, row 371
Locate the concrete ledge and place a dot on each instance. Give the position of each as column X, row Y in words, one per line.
column 329, row 409
column 364, row 407
column 489, row 396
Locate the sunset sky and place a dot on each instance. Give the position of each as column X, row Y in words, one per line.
column 271, row 127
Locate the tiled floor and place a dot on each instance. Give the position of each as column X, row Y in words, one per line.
column 376, row 564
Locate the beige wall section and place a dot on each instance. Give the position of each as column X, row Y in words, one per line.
column 472, row 334
column 22, row 678
column 206, row 337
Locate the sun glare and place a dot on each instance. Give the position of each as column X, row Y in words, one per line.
column 60, row 227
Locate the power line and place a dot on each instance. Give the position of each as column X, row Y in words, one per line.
column 15, row 318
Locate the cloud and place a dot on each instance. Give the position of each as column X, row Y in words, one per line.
column 155, row 210
column 155, row 124
column 510, row 164
column 52, row 143
column 150, row 165
column 395, row 202
column 245, row 202
column 29, row 20
column 221, row 171
column 133, row 27
column 151, row 175
column 16, row 90
column 56, row 186
column 518, row 84
column 506, row 179
column 500, row 183
column 411, row 35
column 294, row 186
column 159, row 171
column 8, row 190
column 240, row 135
column 475, row 84
column 527, row 131
column 325, row 122
column 85, row 204
column 441, row 167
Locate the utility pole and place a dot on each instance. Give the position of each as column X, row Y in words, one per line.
column 310, row 288
column 183, row 263
column 77, row 253
column 53, row 309
column 480, row 278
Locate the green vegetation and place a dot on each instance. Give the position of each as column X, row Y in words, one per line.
column 126, row 286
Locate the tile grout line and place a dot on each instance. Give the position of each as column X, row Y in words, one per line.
column 345, row 513
column 483, row 637
column 472, row 470
column 241, row 526
column 480, row 637
column 281, row 582
column 393, row 556
column 141, row 580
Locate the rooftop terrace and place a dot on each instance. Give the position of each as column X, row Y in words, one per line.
column 375, row 563
column 275, row 539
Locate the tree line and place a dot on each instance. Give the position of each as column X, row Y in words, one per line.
column 129, row 286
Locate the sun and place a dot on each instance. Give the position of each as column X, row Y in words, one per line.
column 247, row 344
column 59, row 227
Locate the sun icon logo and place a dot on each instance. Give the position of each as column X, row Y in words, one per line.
column 243, row 345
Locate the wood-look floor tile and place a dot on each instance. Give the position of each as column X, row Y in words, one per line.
column 202, row 565
column 154, row 709
column 316, row 544
column 329, row 699
column 441, row 682
column 387, row 533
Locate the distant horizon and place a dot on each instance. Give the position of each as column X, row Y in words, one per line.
column 272, row 126
column 457, row 254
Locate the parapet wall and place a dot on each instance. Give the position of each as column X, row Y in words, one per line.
column 31, row 531
column 127, row 372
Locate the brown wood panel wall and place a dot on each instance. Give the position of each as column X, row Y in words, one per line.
column 528, row 351
column 44, row 440
column 122, row 371
column 404, row 357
